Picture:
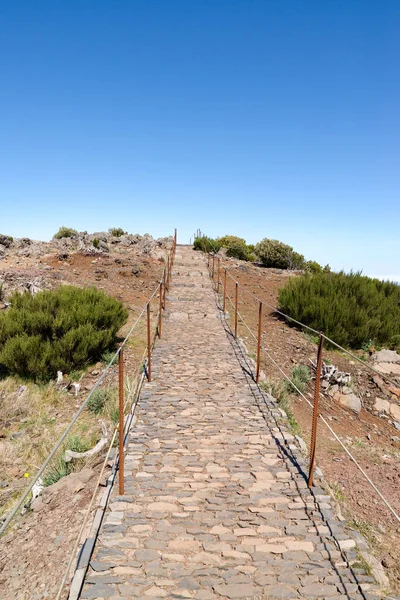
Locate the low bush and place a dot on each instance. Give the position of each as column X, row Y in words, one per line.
column 237, row 249
column 96, row 242
column 352, row 309
column 299, row 378
column 58, row 330
column 65, row 232
column 273, row 253
column 108, row 356
column 117, row 231
column 97, row 401
column 206, row 243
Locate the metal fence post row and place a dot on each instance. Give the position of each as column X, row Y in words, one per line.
column 121, row 422
column 315, row 411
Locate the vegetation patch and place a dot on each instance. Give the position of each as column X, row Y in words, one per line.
column 65, row 232
column 117, row 231
column 352, row 309
column 58, row 330
column 97, row 401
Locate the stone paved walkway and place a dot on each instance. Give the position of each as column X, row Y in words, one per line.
column 216, row 505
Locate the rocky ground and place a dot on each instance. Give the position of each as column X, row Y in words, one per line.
column 365, row 413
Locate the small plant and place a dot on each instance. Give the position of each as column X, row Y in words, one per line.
column 97, row 401
column 65, row 232
column 96, row 242
column 279, row 391
column 108, row 356
column 114, row 415
column 337, row 491
column 299, row 376
column 117, row 231
column 57, row 471
column 77, row 444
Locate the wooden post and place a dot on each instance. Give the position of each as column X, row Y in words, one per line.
column 219, row 268
column 160, row 311
column 121, row 422
column 236, row 309
column 148, row 343
column 168, row 269
column 213, row 267
column 224, row 305
column 259, row 341
column 315, row 411
column 165, row 287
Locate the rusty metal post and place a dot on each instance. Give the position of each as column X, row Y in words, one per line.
column 218, row 274
column 160, row 309
column 213, row 267
column 236, row 308
column 121, row 422
column 259, row 341
column 165, row 287
column 168, row 268
column 315, row 411
column 148, row 343
column 224, row 304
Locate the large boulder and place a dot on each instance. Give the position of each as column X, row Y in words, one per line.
column 386, row 356
column 349, row 400
column 5, row 240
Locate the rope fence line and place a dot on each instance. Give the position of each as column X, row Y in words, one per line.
column 318, row 374
column 161, row 287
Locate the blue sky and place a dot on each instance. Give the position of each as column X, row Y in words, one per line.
column 260, row 118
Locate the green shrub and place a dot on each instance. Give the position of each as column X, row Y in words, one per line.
column 251, row 257
column 57, row 471
column 96, row 242
column 97, row 401
column 352, row 309
column 65, row 232
column 279, row 391
column 62, row 329
column 273, row 253
column 107, row 357
column 237, row 249
column 114, row 415
column 77, row 444
column 117, row 231
column 210, row 245
column 313, row 267
column 299, row 376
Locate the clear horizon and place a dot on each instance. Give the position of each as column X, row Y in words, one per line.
column 257, row 119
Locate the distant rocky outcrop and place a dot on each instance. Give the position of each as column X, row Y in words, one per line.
column 88, row 243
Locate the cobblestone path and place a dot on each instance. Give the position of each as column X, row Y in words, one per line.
column 216, row 505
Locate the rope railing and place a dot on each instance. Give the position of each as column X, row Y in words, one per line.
column 160, row 291
column 215, row 271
